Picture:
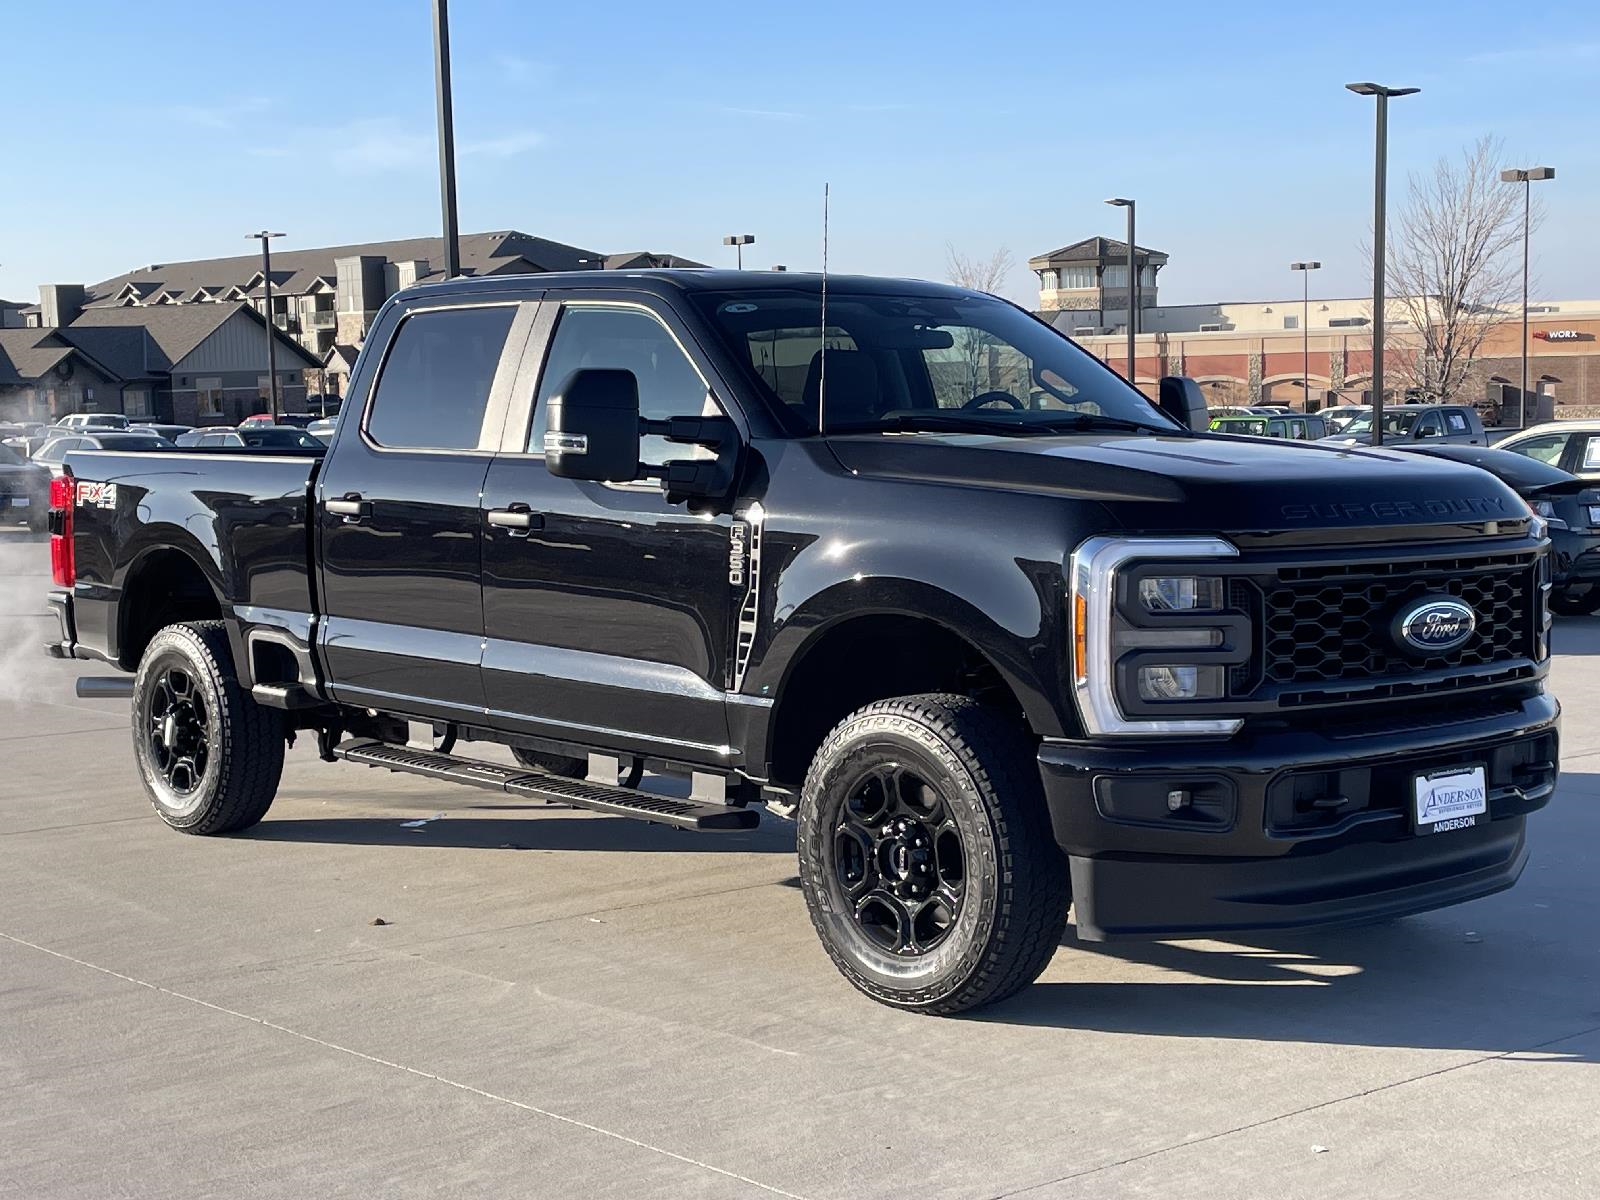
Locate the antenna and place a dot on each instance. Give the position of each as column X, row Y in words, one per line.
column 822, row 363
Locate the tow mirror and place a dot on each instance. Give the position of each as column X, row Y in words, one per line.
column 592, row 431
column 1182, row 400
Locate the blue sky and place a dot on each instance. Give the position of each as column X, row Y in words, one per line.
column 164, row 130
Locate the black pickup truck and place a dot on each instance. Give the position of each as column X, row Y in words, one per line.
column 894, row 558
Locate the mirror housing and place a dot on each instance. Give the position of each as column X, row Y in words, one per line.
column 592, row 431
column 1183, row 401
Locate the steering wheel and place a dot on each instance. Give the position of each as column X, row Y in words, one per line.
column 992, row 397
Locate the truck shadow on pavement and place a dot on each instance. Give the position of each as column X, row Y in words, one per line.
column 1418, row 982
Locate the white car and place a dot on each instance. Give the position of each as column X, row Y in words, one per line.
column 1574, row 446
column 93, row 422
column 1341, row 415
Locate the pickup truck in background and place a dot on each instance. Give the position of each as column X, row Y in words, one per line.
column 895, row 558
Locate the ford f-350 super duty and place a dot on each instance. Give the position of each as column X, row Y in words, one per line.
column 894, row 558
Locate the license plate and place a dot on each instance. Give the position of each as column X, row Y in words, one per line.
column 1455, row 798
column 1594, row 514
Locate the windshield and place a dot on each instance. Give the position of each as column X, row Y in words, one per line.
column 951, row 363
column 134, row 441
column 1393, row 422
column 280, row 437
column 1255, row 428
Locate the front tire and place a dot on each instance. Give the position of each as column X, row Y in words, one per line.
column 926, row 855
column 210, row 757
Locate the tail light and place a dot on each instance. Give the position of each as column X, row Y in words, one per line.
column 63, row 568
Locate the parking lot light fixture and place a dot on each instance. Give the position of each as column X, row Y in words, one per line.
column 1380, row 182
column 1526, row 176
column 739, row 241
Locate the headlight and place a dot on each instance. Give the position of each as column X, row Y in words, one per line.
column 1146, row 640
column 1180, row 593
column 1180, row 683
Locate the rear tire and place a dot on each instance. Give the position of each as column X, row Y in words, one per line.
column 210, row 757
column 927, row 858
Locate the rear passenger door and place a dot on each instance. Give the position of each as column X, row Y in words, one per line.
column 607, row 611
column 399, row 522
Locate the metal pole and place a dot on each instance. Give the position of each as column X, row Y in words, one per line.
column 1305, row 340
column 738, row 253
column 1522, row 399
column 272, row 332
column 1379, row 188
column 447, row 136
column 1133, row 297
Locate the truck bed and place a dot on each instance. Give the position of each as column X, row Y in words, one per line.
column 241, row 519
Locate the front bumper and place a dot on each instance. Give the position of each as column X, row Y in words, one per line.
column 1292, row 827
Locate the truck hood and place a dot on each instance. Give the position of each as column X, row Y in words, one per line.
column 1202, row 483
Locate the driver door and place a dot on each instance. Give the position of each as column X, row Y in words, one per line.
column 607, row 610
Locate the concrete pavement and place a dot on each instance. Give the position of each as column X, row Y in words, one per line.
column 563, row 1004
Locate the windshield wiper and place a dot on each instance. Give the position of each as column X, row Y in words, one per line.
column 1072, row 422
column 938, row 423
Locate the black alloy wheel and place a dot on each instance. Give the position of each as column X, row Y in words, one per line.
column 898, row 862
column 179, row 730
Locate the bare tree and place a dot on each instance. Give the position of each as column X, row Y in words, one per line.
column 978, row 351
column 979, row 274
column 1452, row 272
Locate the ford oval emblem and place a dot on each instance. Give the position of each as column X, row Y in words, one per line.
column 1434, row 625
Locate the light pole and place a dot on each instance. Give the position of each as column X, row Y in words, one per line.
column 1526, row 176
column 266, row 237
column 1305, row 269
column 739, row 241
column 1380, row 182
column 447, row 136
column 1133, row 282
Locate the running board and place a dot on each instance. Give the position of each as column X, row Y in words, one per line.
column 536, row 785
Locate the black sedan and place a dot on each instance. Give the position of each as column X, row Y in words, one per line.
column 1570, row 505
column 24, row 491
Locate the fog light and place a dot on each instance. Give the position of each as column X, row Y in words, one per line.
column 1180, row 683
column 1179, row 593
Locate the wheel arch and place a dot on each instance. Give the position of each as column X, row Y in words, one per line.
column 162, row 585
column 859, row 657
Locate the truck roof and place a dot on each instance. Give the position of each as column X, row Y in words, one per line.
column 679, row 279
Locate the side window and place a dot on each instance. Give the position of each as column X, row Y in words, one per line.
column 435, row 381
column 1547, row 448
column 633, row 340
column 1428, row 426
column 1297, row 429
column 1455, row 422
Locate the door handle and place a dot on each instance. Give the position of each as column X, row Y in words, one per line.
column 350, row 506
column 519, row 519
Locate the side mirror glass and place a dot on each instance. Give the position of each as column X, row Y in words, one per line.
column 1181, row 399
column 592, row 427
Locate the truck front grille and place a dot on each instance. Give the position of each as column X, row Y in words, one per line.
column 1330, row 624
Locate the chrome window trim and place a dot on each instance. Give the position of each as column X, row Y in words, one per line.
column 1092, row 574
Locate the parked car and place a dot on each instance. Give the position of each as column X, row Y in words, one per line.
column 93, row 420
column 257, row 420
column 1297, row 427
column 54, row 452
column 1569, row 504
column 1341, row 415
column 999, row 649
column 322, row 429
column 171, row 432
column 24, row 490
column 1446, row 423
column 28, row 444
column 1574, row 446
column 1270, row 409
